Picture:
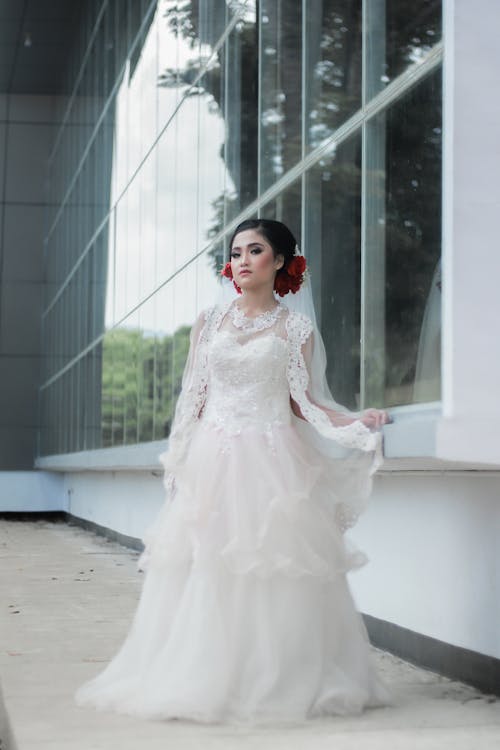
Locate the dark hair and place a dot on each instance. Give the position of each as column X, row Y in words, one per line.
column 275, row 232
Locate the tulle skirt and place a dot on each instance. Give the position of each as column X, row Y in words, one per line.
column 245, row 613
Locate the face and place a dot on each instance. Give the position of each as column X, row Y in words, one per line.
column 253, row 262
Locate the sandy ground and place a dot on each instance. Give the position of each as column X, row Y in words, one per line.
column 67, row 598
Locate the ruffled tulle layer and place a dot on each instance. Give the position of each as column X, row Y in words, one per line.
column 253, row 503
column 245, row 613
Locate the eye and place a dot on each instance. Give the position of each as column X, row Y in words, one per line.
column 256, row 250
column 235, row 254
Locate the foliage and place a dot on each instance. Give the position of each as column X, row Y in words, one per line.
column 141, row 379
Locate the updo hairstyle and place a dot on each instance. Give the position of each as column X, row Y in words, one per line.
column 276, row 233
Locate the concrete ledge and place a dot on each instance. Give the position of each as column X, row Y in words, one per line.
column 139, row 457
column 409, row 445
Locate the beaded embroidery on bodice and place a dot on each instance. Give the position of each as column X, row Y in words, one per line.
column 248, row 384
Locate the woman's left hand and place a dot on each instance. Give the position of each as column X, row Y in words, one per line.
column 375, row 418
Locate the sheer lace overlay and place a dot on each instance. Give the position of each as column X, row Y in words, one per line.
column 245, row 613
column 255, row 367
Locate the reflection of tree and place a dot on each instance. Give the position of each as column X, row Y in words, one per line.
column 412, row 143
column 202, row 31
column 141, row 379
column 413, row 224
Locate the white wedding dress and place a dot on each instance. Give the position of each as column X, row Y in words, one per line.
column 245, row 613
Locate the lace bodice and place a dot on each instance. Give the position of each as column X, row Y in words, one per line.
column 247, row 382
column 242, row 374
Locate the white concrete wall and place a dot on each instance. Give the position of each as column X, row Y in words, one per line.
column 433, row 544
column 32, row 491
column 471, row 210
column 432, row 539
column 125, row 501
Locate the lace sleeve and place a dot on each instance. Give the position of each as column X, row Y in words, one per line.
column 326, row 418
column 191, row 398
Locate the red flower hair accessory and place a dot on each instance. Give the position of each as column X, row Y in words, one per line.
column 227, row 272
column 290, row 279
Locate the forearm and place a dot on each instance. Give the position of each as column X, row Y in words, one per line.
column 337, row 418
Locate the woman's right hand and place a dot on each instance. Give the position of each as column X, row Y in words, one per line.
column 375, row 418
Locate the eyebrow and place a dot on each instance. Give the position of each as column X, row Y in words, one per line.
column 250, row 244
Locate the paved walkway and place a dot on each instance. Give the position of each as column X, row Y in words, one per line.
column 67, row 597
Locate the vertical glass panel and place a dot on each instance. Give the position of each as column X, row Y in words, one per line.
column 398, row 34
column 175, row 313
column 107, row 389
column 208, row 267
column 413, row 229
column 164, row 362
column 184, row 315
column 99, row 270
column 108, row 278
column 168, row 60
column 147, row 237
column 332, row 237
column 121, row 259
column 146, row 371
column 333, row 64
column 241, row 115
column 286, row 207
column 165, row 199
column 129, row 334
column 133, row 244
column 91, row 381
column 211, row 23
column 212, row 172
column 119, row 342
column 280, row 126
column 186, row 186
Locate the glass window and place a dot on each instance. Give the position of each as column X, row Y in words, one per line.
column 413, row 249
column 165, row 199
column 280, row 124
column 186, row 126
column 163, row 397
column 109, row 372
column 332, row 241
column 333, row 60
column 231, row 96
column 129, row 333
column 286, row 207
column 398, row 34
column 146, row 371
column 212, row 176
column 241, row 117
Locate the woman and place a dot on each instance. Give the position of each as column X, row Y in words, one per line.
column 245, row 613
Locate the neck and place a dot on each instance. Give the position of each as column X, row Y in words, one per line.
column 257, row 300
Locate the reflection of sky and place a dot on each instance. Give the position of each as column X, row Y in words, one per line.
column 190, row 175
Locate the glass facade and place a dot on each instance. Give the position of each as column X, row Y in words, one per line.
column 188, row 117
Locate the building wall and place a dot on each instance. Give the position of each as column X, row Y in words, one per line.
column 180, row 126
column 434, row 558
column 26, row 132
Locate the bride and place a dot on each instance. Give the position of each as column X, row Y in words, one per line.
column 245, row 613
